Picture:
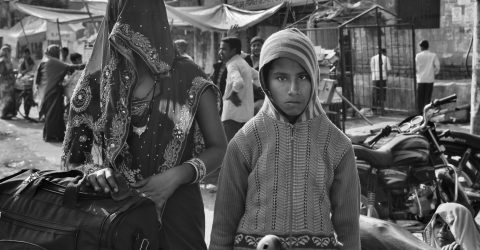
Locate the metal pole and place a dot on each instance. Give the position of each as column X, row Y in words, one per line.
column 414, row 70
column 24, row 33
column 475, row 88
column 90, row 15
column 9, row 14
column 342, row 75
column 379, row 89
column 59, row 35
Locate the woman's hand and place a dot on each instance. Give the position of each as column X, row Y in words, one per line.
column 161, row 186
column 452, row 246
column 103, row 179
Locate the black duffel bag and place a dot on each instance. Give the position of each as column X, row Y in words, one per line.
column 54, row 210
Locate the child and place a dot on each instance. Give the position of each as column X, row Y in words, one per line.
column 289, row 171
column 452, row 227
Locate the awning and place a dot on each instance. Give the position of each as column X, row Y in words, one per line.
column 55, row 14
column 221, row 17
column 98, row 8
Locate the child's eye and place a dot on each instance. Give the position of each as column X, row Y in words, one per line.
column 303, row 77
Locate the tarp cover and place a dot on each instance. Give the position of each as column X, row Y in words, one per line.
column 221, row 17
column 55, row 14
column 32, row 25
column 214, row 18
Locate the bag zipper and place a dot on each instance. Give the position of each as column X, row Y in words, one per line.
column 36, row 222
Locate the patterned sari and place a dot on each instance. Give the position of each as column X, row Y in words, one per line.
column 103, row 110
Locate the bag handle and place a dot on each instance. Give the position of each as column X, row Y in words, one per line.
column 72, row 189
column 32, row 170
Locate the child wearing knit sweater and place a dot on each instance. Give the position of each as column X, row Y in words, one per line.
column 289, row 171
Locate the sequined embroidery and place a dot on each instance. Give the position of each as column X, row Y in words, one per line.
column 183, row 122
column 147, row 51
column 82, row 94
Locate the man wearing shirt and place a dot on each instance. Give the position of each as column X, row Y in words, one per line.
column 238, row 96
column 379, row 80
column 428, row 66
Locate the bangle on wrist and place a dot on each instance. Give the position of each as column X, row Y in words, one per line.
column 199, row 167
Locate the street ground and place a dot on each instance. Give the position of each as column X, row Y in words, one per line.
column 22, row 146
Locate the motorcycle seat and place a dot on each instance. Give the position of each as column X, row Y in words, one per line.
column 378, row 158
column 401, row 149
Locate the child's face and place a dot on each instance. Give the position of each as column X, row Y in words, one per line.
column 442, row 232
column 290, row 86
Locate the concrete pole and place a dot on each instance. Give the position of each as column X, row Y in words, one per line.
column 475, row 89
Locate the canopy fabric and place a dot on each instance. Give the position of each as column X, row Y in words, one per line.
column 217, row 18
column 221, row 17
column 32, row 25
column 98, row 8
column 55, row 14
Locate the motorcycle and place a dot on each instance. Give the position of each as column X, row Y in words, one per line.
column 410, row 175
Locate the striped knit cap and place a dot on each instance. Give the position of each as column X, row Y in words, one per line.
column 294, row 45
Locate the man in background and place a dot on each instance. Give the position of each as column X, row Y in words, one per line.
column 238, row 105
column 379, row 65
column 252, row 59
column 182, row 47
column 428, row 66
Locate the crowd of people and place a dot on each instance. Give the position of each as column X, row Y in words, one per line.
column 48, row 86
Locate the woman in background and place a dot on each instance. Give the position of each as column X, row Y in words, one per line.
column 7, row 82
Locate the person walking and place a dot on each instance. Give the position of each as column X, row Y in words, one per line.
column 153, row 115
column 7, row 82
column 379, row 80
column 24, row 83
column 238, row 105
column 289, row 171
column 427, row 66
column 50, row 75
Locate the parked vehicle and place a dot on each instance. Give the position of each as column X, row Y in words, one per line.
column 410, row 175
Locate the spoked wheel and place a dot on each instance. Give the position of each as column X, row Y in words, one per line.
column 457, row 154
column 364, row 207
column 460, row 154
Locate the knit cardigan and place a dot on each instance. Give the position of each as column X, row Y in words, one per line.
column 297, row 181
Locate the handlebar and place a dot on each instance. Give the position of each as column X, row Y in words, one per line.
column 383, row 133
column 445, row 100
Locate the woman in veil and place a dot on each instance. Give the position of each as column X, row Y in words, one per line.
column 152, row 114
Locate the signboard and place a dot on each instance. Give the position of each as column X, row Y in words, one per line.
column 457, row 16
column 261, row 4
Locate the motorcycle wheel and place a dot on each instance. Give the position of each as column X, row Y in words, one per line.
column 364, row 207
column 470, row 175
column 455, row 152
